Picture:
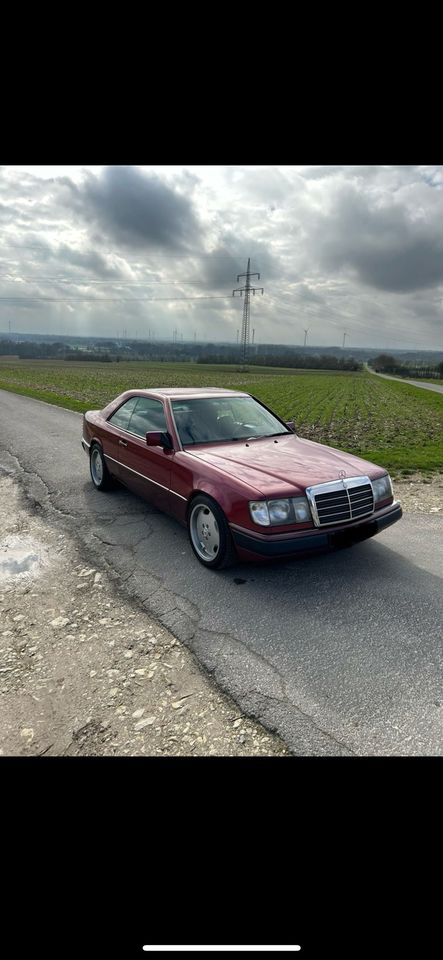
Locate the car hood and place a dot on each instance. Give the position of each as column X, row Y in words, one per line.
column 291, row 462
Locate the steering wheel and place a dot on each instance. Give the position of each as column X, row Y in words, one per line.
column 235, row 429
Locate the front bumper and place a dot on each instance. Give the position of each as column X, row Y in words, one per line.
column 283, row 545
column 85, row 446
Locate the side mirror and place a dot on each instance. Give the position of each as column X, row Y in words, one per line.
column 290, row 425
column 155, row 438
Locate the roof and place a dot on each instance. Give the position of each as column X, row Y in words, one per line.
column 180, row 393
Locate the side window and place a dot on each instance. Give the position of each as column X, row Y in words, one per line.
column 122, row 416
column 147, row 415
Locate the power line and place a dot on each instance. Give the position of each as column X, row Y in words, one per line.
column 106, row 299
column 154, row 256
column 87, row 280
column 315, row 305
column 318, row 312
column 362, row 328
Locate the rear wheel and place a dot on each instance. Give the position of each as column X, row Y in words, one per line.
column 100, row 475
column 209, row 533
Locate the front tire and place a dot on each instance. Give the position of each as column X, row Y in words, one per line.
column 100, row 475
column 209, row 533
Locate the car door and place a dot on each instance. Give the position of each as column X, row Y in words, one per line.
column 146, row 470
column 113, row 437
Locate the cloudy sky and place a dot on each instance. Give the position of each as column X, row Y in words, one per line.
column 99, row 250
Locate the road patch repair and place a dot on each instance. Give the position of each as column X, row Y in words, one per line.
column 85, row 671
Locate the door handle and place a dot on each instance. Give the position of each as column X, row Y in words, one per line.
column 123, row 443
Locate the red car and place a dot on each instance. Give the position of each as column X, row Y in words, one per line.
column 245, row 485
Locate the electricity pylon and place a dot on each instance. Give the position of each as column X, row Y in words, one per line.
column 246, row 290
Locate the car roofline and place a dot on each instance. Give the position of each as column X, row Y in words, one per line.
column 187, row 394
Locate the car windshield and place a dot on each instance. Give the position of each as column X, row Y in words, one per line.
column 215, row 419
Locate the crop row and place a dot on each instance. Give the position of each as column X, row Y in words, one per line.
column 397, row 424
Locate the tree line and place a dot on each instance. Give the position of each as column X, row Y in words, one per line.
column 290, row 360
column 386, row 363
column 111, row 351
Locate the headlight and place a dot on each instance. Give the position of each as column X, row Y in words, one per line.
column 259, row 512
column 382, row 488
column 279, row 511
column 274, row 512
column 301, row 510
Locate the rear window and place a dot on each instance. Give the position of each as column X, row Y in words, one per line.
column 122, row 416
column 148, row 415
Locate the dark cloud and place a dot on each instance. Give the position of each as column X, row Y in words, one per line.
column 309, row 296
column 384, row 245
column 220, row 268
column 354, row 247
column 136, row 209
column 89, row 260
column 31, row 257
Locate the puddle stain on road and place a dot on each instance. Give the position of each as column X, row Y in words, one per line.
column 20, row 556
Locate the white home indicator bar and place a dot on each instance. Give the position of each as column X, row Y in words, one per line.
column 243, row 949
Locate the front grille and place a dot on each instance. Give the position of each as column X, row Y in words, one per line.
column 341, row 501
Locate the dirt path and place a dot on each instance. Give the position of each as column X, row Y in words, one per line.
column 83, row 671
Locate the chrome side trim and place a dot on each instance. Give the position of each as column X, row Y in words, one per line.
column 179, row 495
column 85, row 443
column 148, row 479
column 130, row 432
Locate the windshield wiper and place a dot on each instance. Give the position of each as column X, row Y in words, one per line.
column 262, row 436
column 265, row 436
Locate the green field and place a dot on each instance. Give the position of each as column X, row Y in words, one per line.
column 396, row 425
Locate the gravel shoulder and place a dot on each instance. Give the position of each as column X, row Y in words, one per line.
column 420, row 494
column 85, row 671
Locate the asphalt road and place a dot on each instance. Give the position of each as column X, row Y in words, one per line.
column 341, row 654
column 433, row 387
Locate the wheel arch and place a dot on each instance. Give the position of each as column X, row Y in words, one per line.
column 208, row 490
column 95, row 442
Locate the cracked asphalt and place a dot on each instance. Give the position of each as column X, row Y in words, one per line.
column 340, row 654
column 85, row 670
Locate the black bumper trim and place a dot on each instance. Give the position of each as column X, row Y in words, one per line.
column 318, row 541
column 280, row 548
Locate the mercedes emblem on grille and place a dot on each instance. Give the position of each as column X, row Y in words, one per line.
column 342, row 475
